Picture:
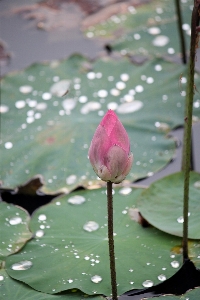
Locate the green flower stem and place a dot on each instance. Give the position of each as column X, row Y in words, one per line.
column 111, row 241
column 182, row 39
column 188, row 125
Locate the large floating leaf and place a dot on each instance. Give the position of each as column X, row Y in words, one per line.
column 15, row 290
column 162, row 204
column 45, row 133
column 191, row 295
column 149, row 28
column 14, row 230
column 65, row 255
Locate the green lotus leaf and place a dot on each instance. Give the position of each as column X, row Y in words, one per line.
column 70, row 248
column 190, row 295
column 162, row 204
column 14, row 230
column 15, row 290
column 45, row 133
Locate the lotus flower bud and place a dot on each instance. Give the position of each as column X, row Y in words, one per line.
column 109, row 152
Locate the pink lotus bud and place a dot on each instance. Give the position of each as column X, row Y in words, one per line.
column 109, row 151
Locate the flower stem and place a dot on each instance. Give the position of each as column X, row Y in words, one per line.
column 182, row 39
column 111, row 241
column 186, row 165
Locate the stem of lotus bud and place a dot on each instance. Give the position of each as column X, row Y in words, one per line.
column 111, row 240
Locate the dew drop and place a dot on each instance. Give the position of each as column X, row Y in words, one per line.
column 147, row 283
column 125, row 191
column 102, row 93
column 41, row 106
column 196, row 104
column 4, row 109
column 76, row 200
column 126, row 108
column 46, row 96
column 15, row 221
column 8, row 145
column 114, row 92
column 25, row 89
column 69, row 104
column 175, row 264
column 137, row 36
column 150, row 80
column 70, row 280
column 32, row 103
column 96, row 278
column 1, row 277
column 180, row 219
column 171, row 50
column 91, row 226
column 71, row 179
column 30, row 120
column 124, row 77
column 30, row 113
column 197, row 184
column 112, row 105
column 91, row 75
column 42, row 217
column 158, row 68
column 90, row 106
column 160, row 41
column 39, row 233
column 162, row 126
column 59, row 88
column 120, row 85
column 154, row 30
column 83, row 99
column 139, row 89
column 37, row 116
column 22, row 265
column 186, row 27
column 162, row 277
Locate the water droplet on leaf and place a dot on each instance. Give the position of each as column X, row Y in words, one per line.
column 4, row 109
column 8, row 145
column 160, row 41
column 102, row 93
column 125, row 190
column 71, row 179
column 42, row 217
column 25, row 89
column 147, row 283
column 39, row 233
column 154, row 30
column 90, row 106
column 180, row 219
column 96, row 278
column 22, row 265
column 15, row 221
column 126, row 108
column 161, row 277
column 76, row 200
column 197, row 184
column 175, row 264
column 91, row 226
